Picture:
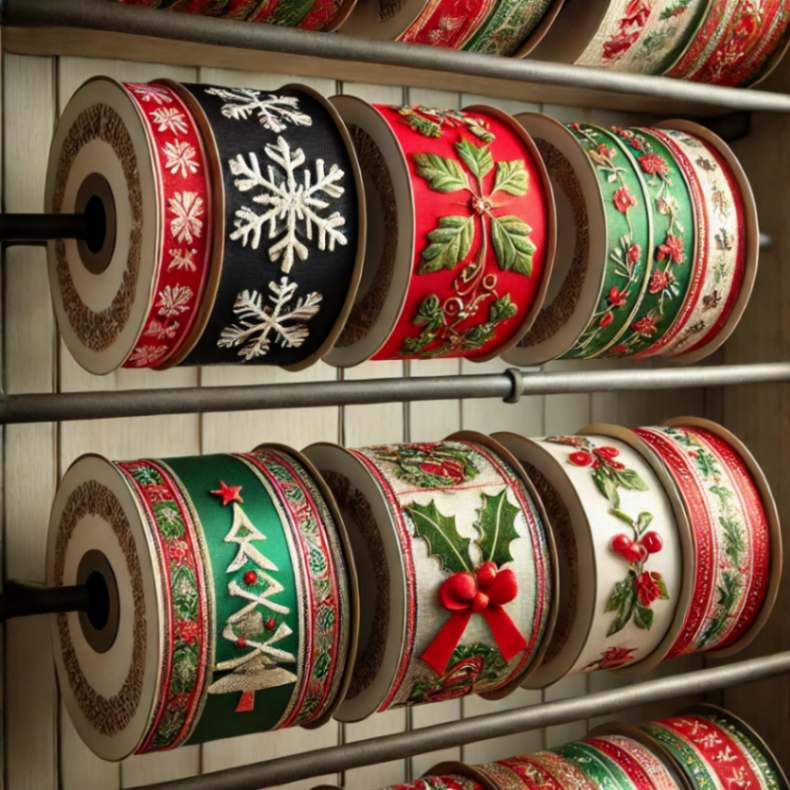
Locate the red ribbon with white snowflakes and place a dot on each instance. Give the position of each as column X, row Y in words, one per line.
column 485, row 593
column 185, row 227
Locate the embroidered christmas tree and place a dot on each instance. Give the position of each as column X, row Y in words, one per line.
column 257, row 627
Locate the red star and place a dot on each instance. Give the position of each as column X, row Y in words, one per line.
column 228, row 493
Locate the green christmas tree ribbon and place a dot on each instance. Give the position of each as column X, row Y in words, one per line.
column 604, row 772
column 673, row 244
column 629, row 234
column 508, row 26
column 231, row 529
column 685, row 755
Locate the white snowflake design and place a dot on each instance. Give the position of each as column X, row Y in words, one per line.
column 174, row 300
column 151, row 93
column 290, row 207
column 274, row 113
column 161, row 330
column 145, row 356
column 169, row 119
column 282, row 321
column 180, row 158
column 182, row 259
column 187, row 208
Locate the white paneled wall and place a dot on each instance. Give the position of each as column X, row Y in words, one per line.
column 41, row 748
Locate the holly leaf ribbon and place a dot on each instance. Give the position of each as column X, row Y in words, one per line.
column 485, row 593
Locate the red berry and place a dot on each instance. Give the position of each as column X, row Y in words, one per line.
column 480, row 602
column 580, row 458
column 606, row 319
column 250, row 578
column 622, row 545
column 639, row 553
column 615, row 465
column 241, row 642
column 607, row 452
column 486, row 574
column 270, row 624
column 652, row 542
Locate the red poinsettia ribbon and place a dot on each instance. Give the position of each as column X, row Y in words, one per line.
column 464, row 594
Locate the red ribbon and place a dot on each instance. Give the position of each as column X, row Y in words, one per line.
column 464, row 594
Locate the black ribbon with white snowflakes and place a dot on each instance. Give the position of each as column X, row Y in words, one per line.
column 291, row 226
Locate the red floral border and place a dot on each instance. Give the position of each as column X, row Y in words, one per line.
column 174, row 553
column 182, row 275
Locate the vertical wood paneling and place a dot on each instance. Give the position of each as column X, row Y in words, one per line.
column 31, row 695
column 41, row 744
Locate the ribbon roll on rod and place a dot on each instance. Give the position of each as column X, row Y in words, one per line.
column 23, row 600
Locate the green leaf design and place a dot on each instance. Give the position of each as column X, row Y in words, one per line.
column 476, row 157
column 441, row 173
column 513, row 247
column 502, row 309
column 441, row 535
column 707, row 463
column 630, row 479
column 511, row 177
column 734, row 544
column 643, row 521
column 662, row 586
column 496, row 525
column 622, row 601
column 624, row 517
column 606, row 485
column 643, row 617
column 450, row 244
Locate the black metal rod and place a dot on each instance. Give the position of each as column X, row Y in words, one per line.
column 34, row 228
column 22, row 600
column 494, row 725
column 101, row 15
column 55, row 407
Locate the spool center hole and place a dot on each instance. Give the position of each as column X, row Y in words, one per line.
column 99, row 610
column 96, row 218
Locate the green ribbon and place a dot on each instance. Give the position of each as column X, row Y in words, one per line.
column 507, row 27
column 691, row 764
column 597, row 766
column 627, row 232
column 672, row 212
column 199, row 476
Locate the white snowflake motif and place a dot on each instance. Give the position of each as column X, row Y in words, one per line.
column 182, row 259
column 725, row 755
column 291, row 207
column 169, row 119
column 709, row 740
column 174, row 300
column 281, row 321
column 187, row 208
column 180, row 158
column 274, row 113
column 160, row 330
column 151, row 93
column 145, row 356
column 738, row 779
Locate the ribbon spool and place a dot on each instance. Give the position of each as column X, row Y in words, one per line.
column 712, row 747
column 731, row 240
column 131, row 158
column 315, row 15
column 736, row 557
column 639, row 36
column 677, row 290
column 462, row 233
column 290, row 225
column 620, row 551
column 231, row 604
column 736, row 43
column 604, row 260
column 454, row 565
column 618, row 761
column 513, row 27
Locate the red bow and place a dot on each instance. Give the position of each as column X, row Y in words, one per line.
column 465, row 594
